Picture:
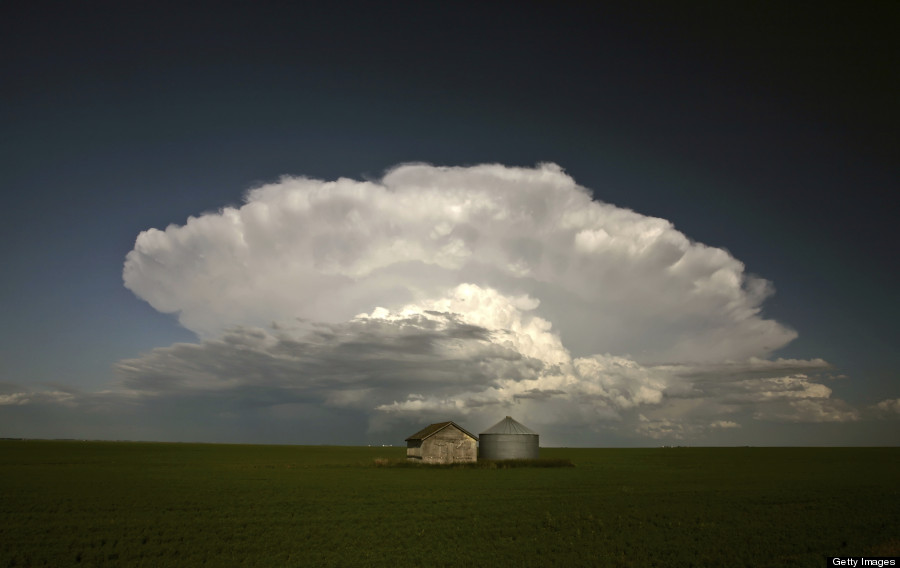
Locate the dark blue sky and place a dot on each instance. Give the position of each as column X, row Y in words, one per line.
column 770, row 131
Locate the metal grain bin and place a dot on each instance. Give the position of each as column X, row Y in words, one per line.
column 508, row 440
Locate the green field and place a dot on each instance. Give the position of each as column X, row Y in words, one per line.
column 153, row 504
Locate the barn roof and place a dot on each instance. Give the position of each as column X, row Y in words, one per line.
column 508, row 426
column 435, row 428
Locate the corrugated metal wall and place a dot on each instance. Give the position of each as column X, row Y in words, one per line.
column 508, row 446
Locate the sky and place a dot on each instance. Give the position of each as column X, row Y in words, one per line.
column 633, row 224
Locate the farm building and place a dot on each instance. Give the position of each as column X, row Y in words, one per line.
column 444, row 442
column 508, row 440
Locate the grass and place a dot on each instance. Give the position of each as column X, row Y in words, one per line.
column 147, row 504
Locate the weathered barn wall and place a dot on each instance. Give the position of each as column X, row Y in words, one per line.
column 444, row 442
column 414, row 449
column 449, row 446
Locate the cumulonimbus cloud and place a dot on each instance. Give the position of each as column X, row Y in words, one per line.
column 609, row 279
column 462, row 290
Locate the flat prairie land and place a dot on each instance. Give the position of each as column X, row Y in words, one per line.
column 68, row 503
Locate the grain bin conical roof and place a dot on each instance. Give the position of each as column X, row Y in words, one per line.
column 509, row 426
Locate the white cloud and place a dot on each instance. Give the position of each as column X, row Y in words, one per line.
column 809, row 410
column 39, row 397
column 442, row 292
column 609, row 279
column 663, row 428
column 889, row 406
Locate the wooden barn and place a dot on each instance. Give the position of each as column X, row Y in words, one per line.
column 444, row 442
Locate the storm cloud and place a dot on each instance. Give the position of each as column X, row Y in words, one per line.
column 608, row 279
column 448, row 292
